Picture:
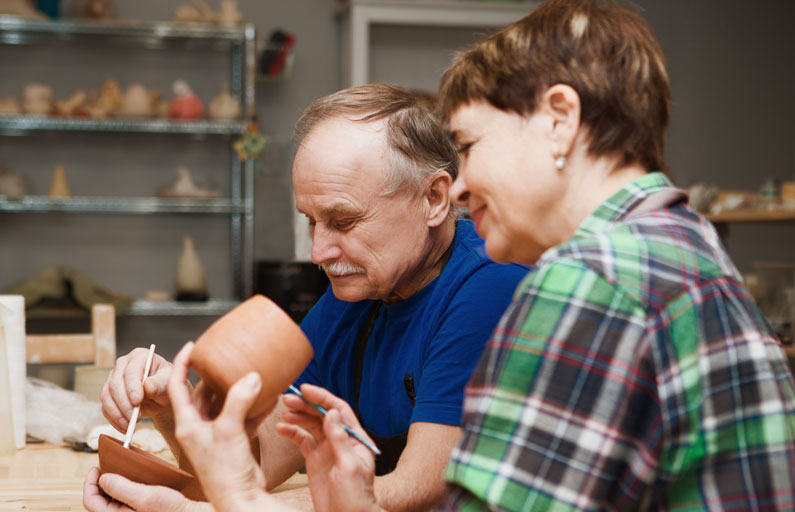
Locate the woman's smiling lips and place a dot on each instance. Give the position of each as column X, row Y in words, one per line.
column 477, row 216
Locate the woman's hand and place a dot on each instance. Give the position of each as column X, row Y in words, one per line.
column 218, row 446
column 340, row 468
column 114, row 493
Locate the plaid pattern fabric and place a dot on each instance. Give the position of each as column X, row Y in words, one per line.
column 631, row 372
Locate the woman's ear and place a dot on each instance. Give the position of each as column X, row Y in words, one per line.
column 437, row 195
column 562, row 104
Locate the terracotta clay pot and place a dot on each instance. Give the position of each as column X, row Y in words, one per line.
column 256, row 336
column 141, row 466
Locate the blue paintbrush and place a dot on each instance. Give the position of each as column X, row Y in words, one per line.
column 372, row 448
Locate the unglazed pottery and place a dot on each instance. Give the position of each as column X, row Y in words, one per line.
column 255, row 336
column 224, row 107
column 136, row 102
column 228, row 15
column 191, row 279
column 37, row 99
column 70, row 106
column 143, row 467
column 59, row 186
column 12, row 185
column 185, row 186
column 194, row 12
column 9, row 106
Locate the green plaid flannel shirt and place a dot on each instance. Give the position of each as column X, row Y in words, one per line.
column 632, row 371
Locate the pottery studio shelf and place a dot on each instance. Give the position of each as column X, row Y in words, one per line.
column 131, row 205
column 238, row 46
column 211, row 307
column 781, row 215
column 143, row 307
column 19, row 125
column 14, row 30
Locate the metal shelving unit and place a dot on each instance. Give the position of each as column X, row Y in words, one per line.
column 239, row 205
column 22, row 125
column 142, row 205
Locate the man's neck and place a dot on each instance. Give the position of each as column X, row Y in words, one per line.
column 431, row 267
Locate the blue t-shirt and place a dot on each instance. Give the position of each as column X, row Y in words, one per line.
column 436, row 336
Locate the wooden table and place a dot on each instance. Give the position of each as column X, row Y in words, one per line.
column 47, row 477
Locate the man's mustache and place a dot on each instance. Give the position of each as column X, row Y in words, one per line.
column 338, row 268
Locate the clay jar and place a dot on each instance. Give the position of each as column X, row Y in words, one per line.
column 141, row 466
column 256, row 336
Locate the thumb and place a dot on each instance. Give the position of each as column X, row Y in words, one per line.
column 140, row 497
column 241, row 397
column 122, row 489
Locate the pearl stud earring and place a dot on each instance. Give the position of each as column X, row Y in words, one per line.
column 560, row 161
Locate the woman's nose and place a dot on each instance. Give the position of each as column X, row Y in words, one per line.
column 458, row 192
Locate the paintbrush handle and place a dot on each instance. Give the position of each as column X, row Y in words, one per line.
column 137, row 410
column 356, row 436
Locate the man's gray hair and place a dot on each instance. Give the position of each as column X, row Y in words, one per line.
column 417, row 144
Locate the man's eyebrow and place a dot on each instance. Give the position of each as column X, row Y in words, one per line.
column 335, row 209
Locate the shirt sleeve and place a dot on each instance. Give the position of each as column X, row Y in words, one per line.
column 459, row 340
column 562, row 401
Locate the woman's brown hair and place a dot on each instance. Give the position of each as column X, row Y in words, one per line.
column 606, row 52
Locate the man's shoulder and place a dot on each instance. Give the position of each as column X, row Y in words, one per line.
column 471, row 261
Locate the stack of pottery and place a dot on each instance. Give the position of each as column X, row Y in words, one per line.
column 37, row 99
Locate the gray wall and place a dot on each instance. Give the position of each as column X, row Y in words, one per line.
column 731, row 67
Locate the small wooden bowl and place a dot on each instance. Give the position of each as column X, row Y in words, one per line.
column 259, row 336
column 139, row 465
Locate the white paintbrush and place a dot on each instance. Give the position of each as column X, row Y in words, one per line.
column 134, row 418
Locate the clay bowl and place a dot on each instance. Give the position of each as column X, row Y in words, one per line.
column 259, row 336
column 139, row 465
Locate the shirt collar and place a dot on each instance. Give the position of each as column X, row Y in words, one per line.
column 617, row 206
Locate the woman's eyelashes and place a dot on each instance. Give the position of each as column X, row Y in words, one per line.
column 463, row 148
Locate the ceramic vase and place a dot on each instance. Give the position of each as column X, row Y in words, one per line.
column 136, row 102
column 191, row 283
column 186, row 105
column 59, row 186
column 228, row 15
column 259, row 336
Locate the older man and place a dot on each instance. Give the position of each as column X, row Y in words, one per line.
column 413, row 298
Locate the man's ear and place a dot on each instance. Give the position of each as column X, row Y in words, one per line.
column 562, row 104
column 437, row 196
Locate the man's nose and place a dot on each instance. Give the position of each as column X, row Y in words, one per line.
column 459, row 192
column 324, row 245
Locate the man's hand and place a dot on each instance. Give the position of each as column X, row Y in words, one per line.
column 218, row 446
column 123, row 391
column 340, row 469
column 121, row 495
